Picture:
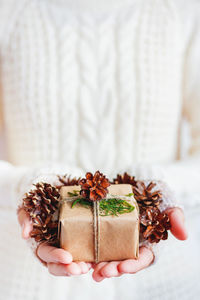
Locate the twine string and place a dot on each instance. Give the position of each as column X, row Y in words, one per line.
column 96, row 230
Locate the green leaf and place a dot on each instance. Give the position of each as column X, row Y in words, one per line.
column 75, row 201
column 82, row 201
column 130, row 194
column 74, row 193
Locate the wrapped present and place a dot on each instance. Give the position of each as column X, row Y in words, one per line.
column 97, row 221
column 95, row 231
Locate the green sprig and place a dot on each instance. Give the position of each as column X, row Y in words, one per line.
column 108, row 207
column 114, row 207
column 83, row 202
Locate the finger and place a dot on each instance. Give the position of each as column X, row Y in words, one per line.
column 26, row 224
column 89, row 265
column 57, row 269
column 178, row 228
column 51, row 254
column 73, row 269
column 110, row 270
column 96, row 275
column 84, row 267
column 134, row 265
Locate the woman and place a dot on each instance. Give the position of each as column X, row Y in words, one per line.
column 97, row 85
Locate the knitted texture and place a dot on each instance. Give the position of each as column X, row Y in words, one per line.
column 93, row 64
column 96, row 90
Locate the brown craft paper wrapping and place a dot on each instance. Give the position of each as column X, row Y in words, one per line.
column 119, row 235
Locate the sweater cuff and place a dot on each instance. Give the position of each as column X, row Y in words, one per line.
column 47, row 174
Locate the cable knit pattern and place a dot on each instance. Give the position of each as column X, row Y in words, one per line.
column 85, row 65
column 98, row 85
column 106, row 95
column 126, row 89
column 88, row 92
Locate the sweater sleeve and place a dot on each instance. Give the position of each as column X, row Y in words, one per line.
column 17, row 180
column 9, row 175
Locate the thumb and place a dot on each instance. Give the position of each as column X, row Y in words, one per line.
column 177, row 220
column 25, row 222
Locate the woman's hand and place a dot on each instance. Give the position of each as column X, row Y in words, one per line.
column 58, row 261
column 131, row 266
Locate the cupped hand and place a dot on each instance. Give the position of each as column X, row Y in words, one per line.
column 58, row 261
column 130, row 266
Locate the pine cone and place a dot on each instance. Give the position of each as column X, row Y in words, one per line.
column 125, row 178
column 94, row 187
column 145, row 196
column 66, row 180
column 41, row 203
column 154, row 225
column 44, row 230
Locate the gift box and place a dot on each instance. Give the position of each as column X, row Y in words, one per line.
column 90, row 233
column 97, row 221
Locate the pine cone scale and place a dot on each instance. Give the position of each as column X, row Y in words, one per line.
column 148, row 231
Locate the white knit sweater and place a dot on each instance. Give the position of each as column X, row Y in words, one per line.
column 90, row 85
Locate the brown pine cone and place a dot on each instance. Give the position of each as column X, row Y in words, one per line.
column 66, row 180
column 154, row 225
column 125, row 178
column 44, row 230
column 41, row 203
column 94, row 187
column 43, row 199
column 145, row 196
